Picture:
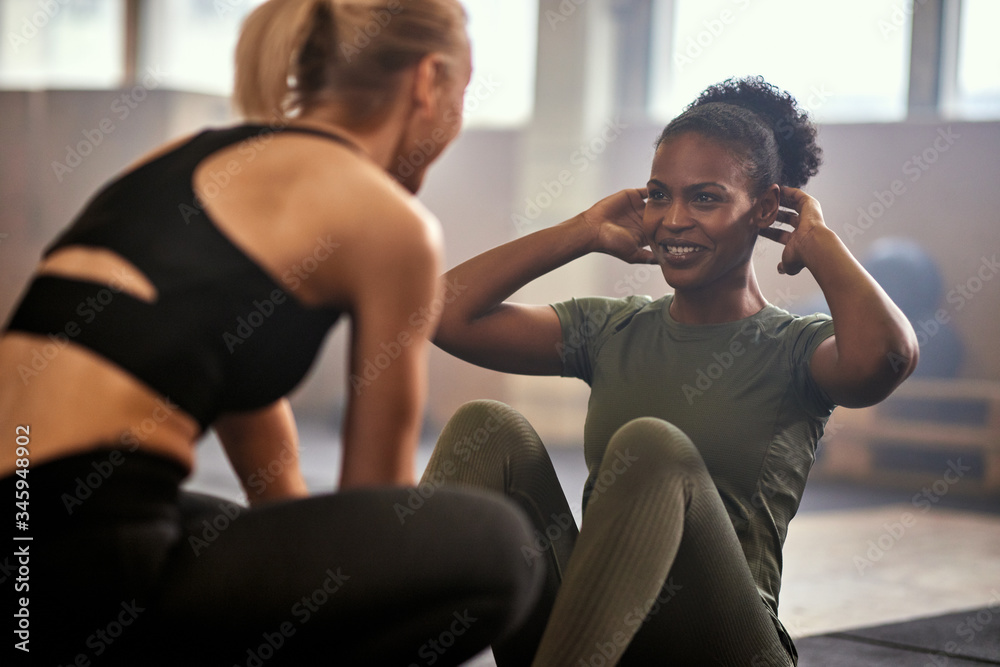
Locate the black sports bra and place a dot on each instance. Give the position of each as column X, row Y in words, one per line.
column 222, row 334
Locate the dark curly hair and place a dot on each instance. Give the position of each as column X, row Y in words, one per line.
column 776, row 138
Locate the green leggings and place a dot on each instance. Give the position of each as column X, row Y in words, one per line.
column 656, row 576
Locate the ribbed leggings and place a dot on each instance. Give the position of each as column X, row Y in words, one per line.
column 656, row 575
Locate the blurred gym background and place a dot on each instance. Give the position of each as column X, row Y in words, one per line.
column 566, row 100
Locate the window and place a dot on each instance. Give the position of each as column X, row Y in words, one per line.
column 844, row 61
column 62, row 44
column 504, row 50
column 191, row 43
column 977, row 89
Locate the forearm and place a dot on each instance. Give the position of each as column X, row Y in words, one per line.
column 263, row 449
column 386, row 402
column 873, row 336
column 277, row 475
column 488, row 279
column 483, row 328
column 381, row 432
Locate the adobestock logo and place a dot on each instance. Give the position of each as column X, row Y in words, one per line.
column 122, row 107
column 32, row 25
column 551, row 189
column 914, row 168
column 363, row 35
column 695, row 46
column 479, row 91
column 565, row 9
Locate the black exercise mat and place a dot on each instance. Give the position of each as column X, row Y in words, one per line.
column 952, row 640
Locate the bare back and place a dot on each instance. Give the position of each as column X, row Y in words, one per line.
column 285, row 203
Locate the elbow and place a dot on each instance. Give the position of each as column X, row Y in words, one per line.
column 451, row 324
column 903, row 354
column 454, row 330
column 912, row 354
column 897, row 360
column 882, row 374
column 448, row 332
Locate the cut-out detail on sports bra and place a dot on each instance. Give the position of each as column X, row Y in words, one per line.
column 221, row 336
column 230, row 236
column 102, row 266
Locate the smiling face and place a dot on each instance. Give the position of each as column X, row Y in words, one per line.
column 700, row 219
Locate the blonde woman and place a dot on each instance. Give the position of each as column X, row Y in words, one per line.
column 192, row 292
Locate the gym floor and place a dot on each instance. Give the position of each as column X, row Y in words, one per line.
column 872, row 576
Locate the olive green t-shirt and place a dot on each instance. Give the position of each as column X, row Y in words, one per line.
column 742, row 391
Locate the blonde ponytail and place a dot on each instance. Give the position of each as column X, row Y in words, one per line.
column 267, row 44
column 294, row 53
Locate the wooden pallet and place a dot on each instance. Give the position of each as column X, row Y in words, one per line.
column 950, row 416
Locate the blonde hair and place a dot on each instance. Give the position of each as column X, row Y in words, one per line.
column 294, row 53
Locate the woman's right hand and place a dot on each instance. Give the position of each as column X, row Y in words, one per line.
column 482, row 327
column 616, row 222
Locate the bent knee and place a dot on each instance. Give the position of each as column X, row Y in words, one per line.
column 482, row 426
column 652, row 446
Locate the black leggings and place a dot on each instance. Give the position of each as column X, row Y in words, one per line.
column 656, row 575
column 127, row 570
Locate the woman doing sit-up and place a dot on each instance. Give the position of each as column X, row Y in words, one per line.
column 176, row 302
column 706, row 404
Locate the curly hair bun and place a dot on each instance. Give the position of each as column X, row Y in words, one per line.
column 793, row 130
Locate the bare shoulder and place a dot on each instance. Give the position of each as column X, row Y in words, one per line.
column 372, row 211
column 385, row 238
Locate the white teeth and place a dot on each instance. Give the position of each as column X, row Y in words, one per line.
column 681, row 250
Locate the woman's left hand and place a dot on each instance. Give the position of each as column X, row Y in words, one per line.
column 805, row 217
column 874, row 347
